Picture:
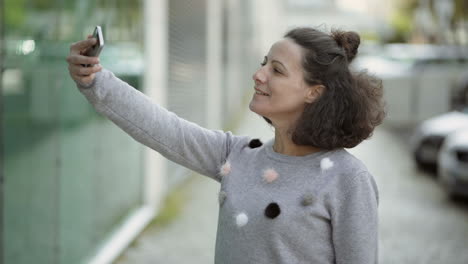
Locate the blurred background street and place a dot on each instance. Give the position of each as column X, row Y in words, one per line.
column 76, row 189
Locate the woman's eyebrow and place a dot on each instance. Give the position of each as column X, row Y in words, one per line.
column 277, row 61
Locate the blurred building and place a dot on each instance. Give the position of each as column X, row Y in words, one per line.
column 442, row 22
column 75, row 188
column 368, row 17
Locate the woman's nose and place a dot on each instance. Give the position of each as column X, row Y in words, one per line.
column 259, row 76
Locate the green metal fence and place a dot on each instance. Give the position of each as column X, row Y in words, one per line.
column 70, row 176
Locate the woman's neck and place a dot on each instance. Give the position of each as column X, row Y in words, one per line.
column 284, row 145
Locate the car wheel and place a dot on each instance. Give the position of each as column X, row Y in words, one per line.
column 422, row 165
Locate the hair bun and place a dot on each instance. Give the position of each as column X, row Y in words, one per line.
column 349, row 41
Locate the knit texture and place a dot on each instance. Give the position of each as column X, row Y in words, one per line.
column 274, row 208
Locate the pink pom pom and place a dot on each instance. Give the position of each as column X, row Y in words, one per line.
column 270, row 175
column 225, row 169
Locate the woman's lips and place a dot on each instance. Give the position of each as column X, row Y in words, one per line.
column 260, row 92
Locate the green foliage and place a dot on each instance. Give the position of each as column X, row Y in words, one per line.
column 461, row 10
column 371, row 36
column 402, row 19
column 408, row 6
column 43, row 4
column 403, row 25
column 15, row 14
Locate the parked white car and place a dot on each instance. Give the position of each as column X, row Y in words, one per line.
column 429, row 136
column 453, row 163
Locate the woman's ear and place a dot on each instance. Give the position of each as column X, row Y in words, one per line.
column 314, row 92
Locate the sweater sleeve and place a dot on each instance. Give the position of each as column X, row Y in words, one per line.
column 355, row 222
column 179, row 140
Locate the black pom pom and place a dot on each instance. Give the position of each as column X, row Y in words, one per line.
column 255, row 143
column 272, row 210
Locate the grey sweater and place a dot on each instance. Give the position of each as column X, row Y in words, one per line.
column 274, row 208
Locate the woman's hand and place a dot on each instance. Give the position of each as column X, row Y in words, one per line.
column 76, row 62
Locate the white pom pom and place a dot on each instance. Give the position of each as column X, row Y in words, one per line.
column 241, row 219
column 326, row 164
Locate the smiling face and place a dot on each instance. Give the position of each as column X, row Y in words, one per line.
column 280, row 90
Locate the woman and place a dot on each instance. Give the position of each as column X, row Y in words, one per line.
column 298, row 198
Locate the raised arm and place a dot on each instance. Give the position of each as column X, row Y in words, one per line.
column 179, row 140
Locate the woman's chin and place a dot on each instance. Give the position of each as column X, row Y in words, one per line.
column 254, row 108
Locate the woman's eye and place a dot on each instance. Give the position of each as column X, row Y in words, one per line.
column 264, row 62
column 276, row 70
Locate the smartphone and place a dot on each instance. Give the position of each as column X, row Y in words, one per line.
column 96, row 48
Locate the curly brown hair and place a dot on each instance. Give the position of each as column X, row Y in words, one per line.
column 351, row 105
